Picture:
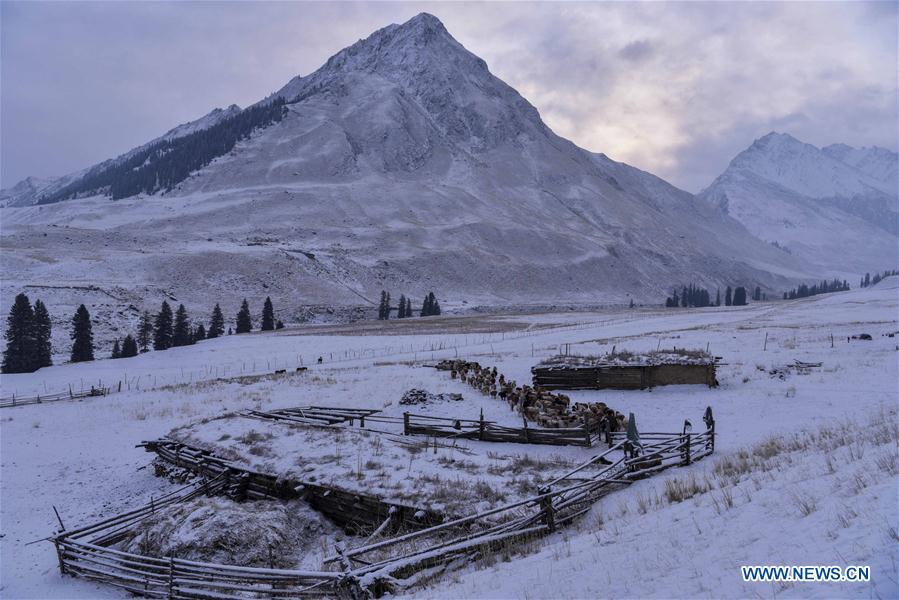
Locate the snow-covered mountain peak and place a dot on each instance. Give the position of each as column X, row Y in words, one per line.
column 815, row 203
column 782, row 160
column 420, row 60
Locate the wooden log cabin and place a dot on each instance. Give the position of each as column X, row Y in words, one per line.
column 626, row 371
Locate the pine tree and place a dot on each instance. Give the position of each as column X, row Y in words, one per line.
column 739, row 296
column 279, row 324
column 129, row 347
column 116, row 351
column 199, row 333
column 82, row 336
column 145, row 331
column 181, row 333
column 162, row 328
column 408, row 307
column 244, row 320
column 268, row 315
column 382, row 306
column 430, row 307
column 20, row 355
column 42, row 331
column 718, row 297
column 727, row 297
column 387, row 306
column 401, row 310
column 216, row 323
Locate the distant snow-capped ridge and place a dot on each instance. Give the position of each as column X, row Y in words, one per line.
column 837, row 171
column 836, row 206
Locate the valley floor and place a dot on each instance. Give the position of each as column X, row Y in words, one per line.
column 81, row 458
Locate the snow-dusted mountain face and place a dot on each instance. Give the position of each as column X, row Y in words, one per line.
column 835, row 207
column 401, row 164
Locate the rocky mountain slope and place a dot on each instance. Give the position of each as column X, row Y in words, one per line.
column 835, row 207
column 404, row 164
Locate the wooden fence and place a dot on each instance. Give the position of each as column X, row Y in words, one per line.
column 390, row 565
column 374, row 567
column 488, row 431
column 86, row 552
column 315, row 415
column 440, row 427
column 41, row 399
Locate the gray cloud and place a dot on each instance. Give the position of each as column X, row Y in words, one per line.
column 636, row 51
column 673, row 88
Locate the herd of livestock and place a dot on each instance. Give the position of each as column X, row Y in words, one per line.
column 546, row 408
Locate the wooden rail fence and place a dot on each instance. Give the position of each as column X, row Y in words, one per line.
column 86, row 552
column 488, row 431
column 44, row 398
column 391, row 565
column 372, row 568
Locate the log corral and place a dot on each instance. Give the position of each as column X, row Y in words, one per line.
column 374, row 565
column 626, row 370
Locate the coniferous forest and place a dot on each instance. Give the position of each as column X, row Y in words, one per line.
column 878, row 277
column 804, row 291
column 694, row 296
column 166, row 163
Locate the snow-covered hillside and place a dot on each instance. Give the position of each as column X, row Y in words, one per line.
column 401, row 164
column 836, row 207
column 80, row 456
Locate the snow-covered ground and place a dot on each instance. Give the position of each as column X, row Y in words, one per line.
column 81, row 456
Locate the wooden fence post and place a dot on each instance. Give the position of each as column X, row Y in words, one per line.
column 62, row 563
column 709, row 419
column 481, row 426
column 405, row 423
column 687, row 448
column 171, row 577
column 546, row 507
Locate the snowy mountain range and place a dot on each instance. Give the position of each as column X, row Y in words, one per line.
column 401, row 164
column 834, row 207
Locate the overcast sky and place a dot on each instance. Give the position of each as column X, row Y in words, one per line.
column 673, row 88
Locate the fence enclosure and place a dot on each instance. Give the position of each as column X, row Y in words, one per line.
column 373, row 567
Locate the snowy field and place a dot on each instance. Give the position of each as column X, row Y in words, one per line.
column 81, row 457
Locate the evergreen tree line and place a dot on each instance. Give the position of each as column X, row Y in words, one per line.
column 164, row 164
column 28, row 329
column 691, row 295
column 867, row 280
column 430, row 307
column 695, row 296
column 804, row 291
column 28, row 346
column 166, row 330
